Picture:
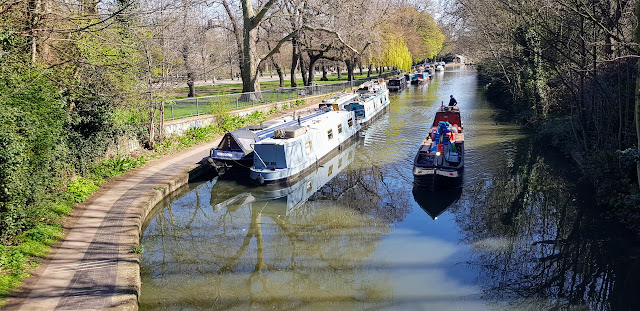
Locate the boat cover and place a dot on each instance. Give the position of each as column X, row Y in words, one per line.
column 244, row 138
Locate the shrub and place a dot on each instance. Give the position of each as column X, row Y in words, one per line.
column 80, row 189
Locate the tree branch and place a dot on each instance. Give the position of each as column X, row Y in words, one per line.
column 255, row 21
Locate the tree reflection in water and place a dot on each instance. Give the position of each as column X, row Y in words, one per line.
column 231, row 253
column 541, row 243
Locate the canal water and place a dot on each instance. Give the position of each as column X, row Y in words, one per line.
column 354, row 234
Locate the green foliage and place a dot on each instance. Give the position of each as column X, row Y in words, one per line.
column 396, row 53
column 80, row 189
column 115, row 167
column 32, row 145
column 137, row 249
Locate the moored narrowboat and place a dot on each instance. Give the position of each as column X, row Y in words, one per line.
column 397, row 83
column 371, row 103
column 235, row 150
column 423, row 77
column 338, row 101
column 440, row 158
column 293, row 150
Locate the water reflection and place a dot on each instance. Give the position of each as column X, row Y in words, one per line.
column 258, row 247
column 541, row 244
column 435, row 203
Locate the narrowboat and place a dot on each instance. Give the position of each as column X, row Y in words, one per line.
column 440, row 159
column 338, row 101
column 423, row 77
column 370, row 103
column 414, row 78
column 235, row 150
column 284, row 200
column 440, row 66
column 408, row 77
column 294, row 150
column 397, row 83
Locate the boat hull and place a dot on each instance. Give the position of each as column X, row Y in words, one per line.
column 437, row 178
column 285, row 178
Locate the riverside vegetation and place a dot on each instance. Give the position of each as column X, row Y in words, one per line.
column 569, row 70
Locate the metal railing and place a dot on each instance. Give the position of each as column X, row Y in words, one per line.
column 195, row 106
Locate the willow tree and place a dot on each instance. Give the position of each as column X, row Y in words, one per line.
column 422, row 35
column 396, row 53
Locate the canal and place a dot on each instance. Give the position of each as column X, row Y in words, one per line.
column 354, row 234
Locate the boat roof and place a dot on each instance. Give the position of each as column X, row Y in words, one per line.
column 245, row 138
column 317, row 122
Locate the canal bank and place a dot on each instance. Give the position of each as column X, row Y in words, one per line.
column 96, row 266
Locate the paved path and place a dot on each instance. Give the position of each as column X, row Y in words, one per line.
column 88, row 270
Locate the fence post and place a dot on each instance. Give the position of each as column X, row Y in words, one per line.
column 236, row 101
column 197, row 107
column 172, row 117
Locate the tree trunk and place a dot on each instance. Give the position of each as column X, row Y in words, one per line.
column 303, row 69
column 294, row 61
column 350, row 66
column 360, row 67
column 370, row 69
column 313, row 59
column 190, row 74
column 339, row 72
column 324, row 74
column 279, row 71
column 249, row 62
column 161, row 130
column 152, row 125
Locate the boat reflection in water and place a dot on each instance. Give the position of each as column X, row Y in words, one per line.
column 281, row 200
column 435, row 203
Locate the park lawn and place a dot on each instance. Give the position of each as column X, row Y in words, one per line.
column 222, row 89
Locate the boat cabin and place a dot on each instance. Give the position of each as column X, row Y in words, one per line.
column 449, row 114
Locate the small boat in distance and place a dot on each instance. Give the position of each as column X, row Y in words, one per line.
column 397, row 83
column 423, row 77
column 440, row 159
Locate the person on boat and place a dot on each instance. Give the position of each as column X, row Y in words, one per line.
column 452, row 101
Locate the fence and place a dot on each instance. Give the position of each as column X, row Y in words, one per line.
column 189, row 107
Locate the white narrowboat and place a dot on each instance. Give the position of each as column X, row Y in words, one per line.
column 373, row 99
column 294, row 150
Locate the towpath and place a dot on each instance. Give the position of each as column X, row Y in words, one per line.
column 94, row 267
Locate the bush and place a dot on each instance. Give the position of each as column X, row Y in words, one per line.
column 80, row 189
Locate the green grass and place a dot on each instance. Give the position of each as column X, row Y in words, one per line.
column 223, row 89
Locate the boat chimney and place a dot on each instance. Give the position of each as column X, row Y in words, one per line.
column 294, row 115
column 299, row 122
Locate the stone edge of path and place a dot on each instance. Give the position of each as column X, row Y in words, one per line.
column 128, row 282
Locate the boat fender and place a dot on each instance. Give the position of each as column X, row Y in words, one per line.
column 260, row 180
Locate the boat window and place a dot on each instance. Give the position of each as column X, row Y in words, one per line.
column 307, row 146
column 330, row 134
column 350, row 122
column 339, row 128
column 330, row 170
column 340, row 163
